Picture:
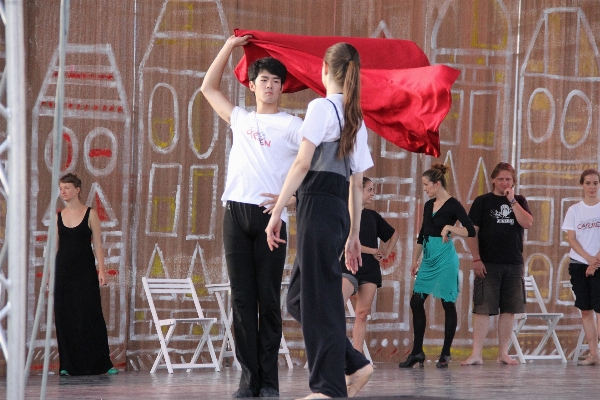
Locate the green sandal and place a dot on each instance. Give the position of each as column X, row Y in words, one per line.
column 113, row 371
column 63, row 372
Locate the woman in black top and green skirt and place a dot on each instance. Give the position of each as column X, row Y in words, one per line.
column 438, row 272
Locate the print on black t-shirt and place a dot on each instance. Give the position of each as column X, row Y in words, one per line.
column 502, row 216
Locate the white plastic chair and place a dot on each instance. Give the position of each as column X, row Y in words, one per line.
column 179, row 291
column 548, row 329
column 581, row 347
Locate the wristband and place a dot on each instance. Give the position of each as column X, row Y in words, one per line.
column 513, row 201
column 474, row 261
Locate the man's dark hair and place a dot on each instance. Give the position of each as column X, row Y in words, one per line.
column 269, row 64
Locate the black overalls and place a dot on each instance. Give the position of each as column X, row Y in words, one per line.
column 315, row 294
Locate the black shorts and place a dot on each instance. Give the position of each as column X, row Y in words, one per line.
column 355, row 281
column 501, row 291
column 586, row 288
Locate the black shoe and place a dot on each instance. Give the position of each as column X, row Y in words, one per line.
column 242, row 393
column 443, row 361
column 412, row 360
column 268, row 392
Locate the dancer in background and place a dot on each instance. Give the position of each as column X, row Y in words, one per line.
column 500, row 218
column 438, row 272
column 367, row 279
column 328, row 175
column 265, row 144
column 582, row 224
column 80, row 327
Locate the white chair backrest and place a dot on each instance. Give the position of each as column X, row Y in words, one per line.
column 168, row 289
column 531, row 286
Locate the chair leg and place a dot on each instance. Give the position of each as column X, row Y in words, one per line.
column 198, row 348
column 515, row 342
column 559, row 347
column 286, row 352
column 549, row 330
column 579, row 346
column 163, row 352
column 203, row 340
column 211, row 350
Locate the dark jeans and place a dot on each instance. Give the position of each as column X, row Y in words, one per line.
column 255, row 274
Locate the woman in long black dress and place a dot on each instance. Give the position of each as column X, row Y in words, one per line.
column 80, row 327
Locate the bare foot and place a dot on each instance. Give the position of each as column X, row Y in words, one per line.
column 472, row 360
column 591, row 360
column 506, row 359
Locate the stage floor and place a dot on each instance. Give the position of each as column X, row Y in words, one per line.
column 540, row 380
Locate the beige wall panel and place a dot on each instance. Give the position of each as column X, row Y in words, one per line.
column 152, row 154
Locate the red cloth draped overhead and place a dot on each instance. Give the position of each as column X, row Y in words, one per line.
column 404, row 99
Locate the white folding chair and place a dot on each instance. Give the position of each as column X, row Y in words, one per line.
column 180, row 292
column 581, row 347
column 548, row 329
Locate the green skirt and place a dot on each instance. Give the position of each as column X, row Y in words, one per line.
column 438, row 273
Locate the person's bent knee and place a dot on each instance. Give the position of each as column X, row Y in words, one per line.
column 362, row 315
column 417, row 301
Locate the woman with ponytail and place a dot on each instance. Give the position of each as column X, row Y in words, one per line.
column 438, row 272
column 327, row 175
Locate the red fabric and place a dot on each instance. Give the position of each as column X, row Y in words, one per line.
column 403, row 98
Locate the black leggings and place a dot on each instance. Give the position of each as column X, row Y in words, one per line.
column 417, row 305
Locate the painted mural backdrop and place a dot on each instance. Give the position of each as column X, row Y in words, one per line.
column 153, row 154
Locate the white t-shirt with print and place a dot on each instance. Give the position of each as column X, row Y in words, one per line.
column 321, row 125
column 263, row 149
column 585, row 221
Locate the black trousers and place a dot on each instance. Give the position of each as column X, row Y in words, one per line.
column 255, row 274
column 315, row 294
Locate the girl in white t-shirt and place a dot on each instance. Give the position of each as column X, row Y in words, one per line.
column 333, row 151
column 582, row 224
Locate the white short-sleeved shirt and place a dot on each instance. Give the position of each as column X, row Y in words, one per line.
column 585, row 221
column 321, row 125
column 263, row 149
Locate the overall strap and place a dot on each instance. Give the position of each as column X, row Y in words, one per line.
column 336, row 114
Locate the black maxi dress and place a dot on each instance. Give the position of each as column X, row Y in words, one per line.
column 80, row 327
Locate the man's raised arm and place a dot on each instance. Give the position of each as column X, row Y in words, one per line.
column 211, row 85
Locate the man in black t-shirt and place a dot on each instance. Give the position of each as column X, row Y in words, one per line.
column 500, row 218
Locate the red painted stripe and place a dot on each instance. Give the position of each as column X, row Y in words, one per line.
column 79, row 106
column 87, row 75
column 38, row 367
column 69, row 159
column 100, row 153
